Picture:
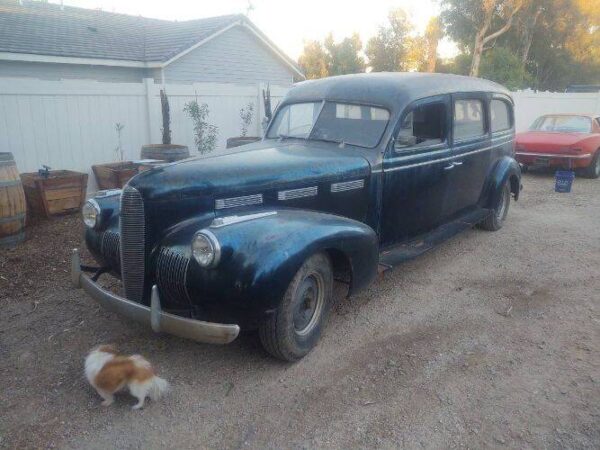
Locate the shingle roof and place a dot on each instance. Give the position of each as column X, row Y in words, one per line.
column 49, row 29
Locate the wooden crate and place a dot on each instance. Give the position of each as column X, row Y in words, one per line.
column 62, row 192
column 114, row 175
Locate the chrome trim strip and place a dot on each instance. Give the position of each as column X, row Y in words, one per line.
column 234, row 202
column 454, row 156
column 220, row 222
column 155, row 317
column 347, row 185
column 552, row 156
column 297, row 193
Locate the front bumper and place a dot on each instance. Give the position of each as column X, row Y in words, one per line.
column 576, row 161
column 160, row 321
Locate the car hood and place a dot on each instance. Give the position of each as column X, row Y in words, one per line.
column 547, row 141
column 251, row 169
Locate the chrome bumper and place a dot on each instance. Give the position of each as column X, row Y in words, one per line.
column 196, row 330
column 553, row 155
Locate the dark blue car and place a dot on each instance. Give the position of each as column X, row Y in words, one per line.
column 355, row 175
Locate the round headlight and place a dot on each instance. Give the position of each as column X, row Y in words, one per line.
column 206, row 249
column 91, row 213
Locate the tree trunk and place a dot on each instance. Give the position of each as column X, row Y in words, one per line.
column 528, row 37
column 481, row 39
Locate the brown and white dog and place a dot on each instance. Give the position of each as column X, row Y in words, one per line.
column 108, row 372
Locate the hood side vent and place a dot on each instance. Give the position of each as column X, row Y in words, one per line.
column 235, row 202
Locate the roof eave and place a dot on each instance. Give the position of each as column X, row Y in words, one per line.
column 30, row 57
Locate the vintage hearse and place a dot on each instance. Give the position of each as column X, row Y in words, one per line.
column 355, row 175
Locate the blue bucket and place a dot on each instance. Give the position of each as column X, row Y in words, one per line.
column 564, row 180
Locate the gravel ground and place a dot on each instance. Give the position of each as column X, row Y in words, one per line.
column 491, row 340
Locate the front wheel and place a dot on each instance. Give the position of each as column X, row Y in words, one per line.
column 295, row 327
column 495, row 220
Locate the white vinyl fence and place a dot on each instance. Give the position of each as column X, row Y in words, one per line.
column 70, row 124
column 530, row 105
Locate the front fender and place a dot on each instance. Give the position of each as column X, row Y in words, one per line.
column 260, row 257
column 506, row 169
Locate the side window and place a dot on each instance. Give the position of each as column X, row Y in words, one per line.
column 468, row 119
column 423, row 126
column 500, row 115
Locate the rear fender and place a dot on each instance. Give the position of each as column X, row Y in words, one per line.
column 506, row 169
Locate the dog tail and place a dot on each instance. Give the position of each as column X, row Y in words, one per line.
column 158, row 388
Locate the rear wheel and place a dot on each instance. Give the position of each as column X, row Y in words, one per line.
column 593, row 170
column 495, row 220
column 295, row 327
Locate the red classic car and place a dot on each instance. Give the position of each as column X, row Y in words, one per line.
column 562, row 140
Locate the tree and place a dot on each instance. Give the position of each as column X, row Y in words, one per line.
column 505, row 67
column 433, row 34
column 320, row 60
column 314, row 60
column 344, row 57
column 388, row 50
column 477, row 23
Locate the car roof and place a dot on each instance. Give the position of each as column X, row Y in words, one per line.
column 590, row 115
column 389, row 89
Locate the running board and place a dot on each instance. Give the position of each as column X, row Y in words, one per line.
column 395, row 255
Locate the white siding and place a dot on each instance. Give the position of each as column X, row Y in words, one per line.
column 235, row 56
column 53, row 71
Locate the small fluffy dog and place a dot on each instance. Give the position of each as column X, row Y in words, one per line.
column 108, row 372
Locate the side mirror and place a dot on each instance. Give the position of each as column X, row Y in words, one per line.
column 403, row 141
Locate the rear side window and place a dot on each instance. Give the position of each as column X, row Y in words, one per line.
column 500, row 115
column 468, row 119
column 423, row 126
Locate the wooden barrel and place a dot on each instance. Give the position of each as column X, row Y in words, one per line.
column 12, row 202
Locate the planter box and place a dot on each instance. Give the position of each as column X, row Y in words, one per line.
column 114, row 175
column 62, row 192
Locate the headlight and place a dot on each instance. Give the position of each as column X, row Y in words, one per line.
column 91, row 213
column 206, row 249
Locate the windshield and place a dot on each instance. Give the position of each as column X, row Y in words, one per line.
column 565, row 124
column 359, row 125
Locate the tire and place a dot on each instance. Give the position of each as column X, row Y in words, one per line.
column 294, row 329
column 495, row 220
column 593, row 170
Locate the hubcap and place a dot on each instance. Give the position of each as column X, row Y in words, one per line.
column 309, row 304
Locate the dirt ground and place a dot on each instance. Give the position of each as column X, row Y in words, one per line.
column 491, row 340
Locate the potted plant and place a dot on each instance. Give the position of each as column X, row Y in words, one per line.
column 165, row 151
column 115, row 175
column 52, row 192
column 205, row 134
column 246, row 116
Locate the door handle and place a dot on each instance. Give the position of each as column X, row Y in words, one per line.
column 457, row 163
column 449, row 167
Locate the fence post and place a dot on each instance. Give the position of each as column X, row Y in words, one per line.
column 149, row 85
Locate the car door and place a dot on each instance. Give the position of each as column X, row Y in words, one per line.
column 415, row 171
column 471, row 148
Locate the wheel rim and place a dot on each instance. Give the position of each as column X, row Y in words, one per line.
column 311, row 298
column 503, row 206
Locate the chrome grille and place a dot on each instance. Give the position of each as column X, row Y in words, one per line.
column 171, row 272
column 110, row 248
column 133, row 239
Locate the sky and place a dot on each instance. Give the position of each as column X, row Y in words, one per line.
column 287, row 22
